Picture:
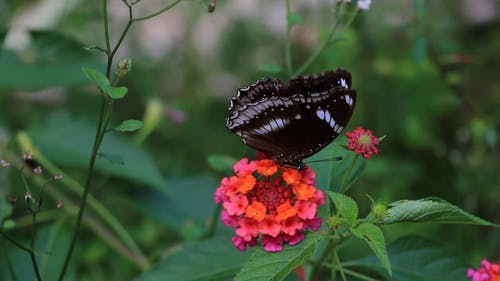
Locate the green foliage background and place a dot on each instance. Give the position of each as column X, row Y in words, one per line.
column 426, row 73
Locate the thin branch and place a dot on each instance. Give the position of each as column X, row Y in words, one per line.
column 168, row 7
column 19, row 245
column 288, row 43
column 32, row 245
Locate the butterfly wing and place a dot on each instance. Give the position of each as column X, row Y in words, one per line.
column 262, row 114
column 292, row 122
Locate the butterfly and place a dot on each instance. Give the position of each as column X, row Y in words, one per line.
column 290, row 122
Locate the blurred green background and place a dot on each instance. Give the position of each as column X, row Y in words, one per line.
column 426, row 73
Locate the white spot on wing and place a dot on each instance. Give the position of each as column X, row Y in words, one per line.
column 343, row 83
column 349, row 100
column 333, row 124
column 327, row 116
column 321, row 114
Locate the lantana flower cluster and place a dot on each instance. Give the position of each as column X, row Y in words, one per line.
column 362, row 142
column 488, row 272
column 269, row 203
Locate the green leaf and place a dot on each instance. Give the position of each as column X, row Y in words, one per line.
column 221, row 163
column 432, row 209
column 418, row 259
column 374, row 237
column 294, row 18
column 116, row 92
column 270, row 69
column 5, row 211
column 276, row 266
column 97, row 77
column 330, row 173
column 50, row 248
column 214, row 259
column 102, row 82
column 173, row 211
column 8, row 224
column 345, row 205
column 128, row 126
column 51, row 59
column 75, row 138
column 112, row 158
column 419, row 49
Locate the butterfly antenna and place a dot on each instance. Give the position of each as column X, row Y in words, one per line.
column 339, row 158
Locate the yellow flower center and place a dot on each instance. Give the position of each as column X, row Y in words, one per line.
column 365, row 139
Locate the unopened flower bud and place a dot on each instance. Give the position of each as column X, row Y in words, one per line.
column 211, row 6
column 27, row 156
column 38, row 170
column 27, row 196
column 379, row 210
column 334, row 222
column 4, row 163
column 58, row 177
column 12, row 200
column 59, row 204
column 124, row 67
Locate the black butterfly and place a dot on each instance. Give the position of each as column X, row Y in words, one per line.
column 290, row 122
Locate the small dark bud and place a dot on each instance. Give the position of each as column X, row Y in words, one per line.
column 27, row 197
column 38, row 170
column 211, row 6
column 12, row 200
column 4, row 163
column 38, row 204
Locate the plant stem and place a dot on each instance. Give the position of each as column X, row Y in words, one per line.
column 359, row 275
column 166, row 8
column 83, row 201
column 328, row 40
column 19, row 245
column 106, row 24
column 213, row 223
column 317, row 264
column 288, row 43
column 90, row 173
column 315, row 55
column 336, row 260
column 32, row 246
column 26, row 144
column 104, row 118
column 348, row 173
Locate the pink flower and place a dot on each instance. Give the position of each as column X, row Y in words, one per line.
column 305, row 209
column 362, row 142
column 219, row 195
column 236, row 205
column 308, row 176
column 227, row 219
column 488, row 272
column 247, row 229
column 244, row 166
column 240, row 244
column 294, row 239
column 272, row 244
column 291, row 225
column 270, row 226
column 313, row 224
column 267, row 202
